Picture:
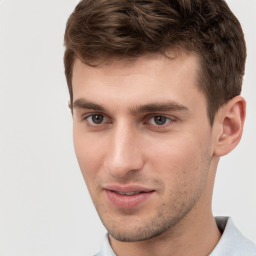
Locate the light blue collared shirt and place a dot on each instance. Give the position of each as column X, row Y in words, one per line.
column 232, row 242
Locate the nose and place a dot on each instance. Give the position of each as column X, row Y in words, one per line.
column 125, row 151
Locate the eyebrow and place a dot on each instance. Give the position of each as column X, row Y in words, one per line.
column 155, row 107
column 152, row 107
column 85, row 104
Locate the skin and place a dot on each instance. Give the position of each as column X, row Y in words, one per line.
column 118, row 140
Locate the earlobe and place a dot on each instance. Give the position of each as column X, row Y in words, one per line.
column 230, row 119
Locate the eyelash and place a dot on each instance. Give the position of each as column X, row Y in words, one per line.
column 90, row 123
column 168, row 120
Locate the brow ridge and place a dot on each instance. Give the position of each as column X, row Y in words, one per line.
column 83, row 103
column 152, row 107
column 155, row 107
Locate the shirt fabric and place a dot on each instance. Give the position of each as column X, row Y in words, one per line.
column 231, row 243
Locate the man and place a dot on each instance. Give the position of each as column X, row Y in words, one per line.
column 155, row 96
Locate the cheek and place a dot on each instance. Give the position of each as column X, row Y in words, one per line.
column 88, row 153
column 171, row 151
column 183, row 171
column 182, row 159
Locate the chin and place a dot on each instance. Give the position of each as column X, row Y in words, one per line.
column 141, row 230
column 135, row 236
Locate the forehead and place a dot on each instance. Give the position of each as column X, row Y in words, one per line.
column 151, row 77
column 172, row 61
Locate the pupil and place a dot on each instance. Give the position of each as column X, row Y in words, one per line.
column 160, row 120
column 97, row 119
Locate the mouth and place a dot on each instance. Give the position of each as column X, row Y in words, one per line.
column 128, row 193
column 127, row 197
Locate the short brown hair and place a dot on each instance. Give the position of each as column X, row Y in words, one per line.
column 101, row 29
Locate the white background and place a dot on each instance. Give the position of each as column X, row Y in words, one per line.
column 45, row 209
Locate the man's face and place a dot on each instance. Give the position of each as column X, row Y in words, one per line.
column 143, row 142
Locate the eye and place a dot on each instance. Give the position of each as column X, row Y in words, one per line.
column 159, row 120
column 96, row 119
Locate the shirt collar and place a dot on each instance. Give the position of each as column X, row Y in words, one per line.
column 232, row 242
column 105, row 249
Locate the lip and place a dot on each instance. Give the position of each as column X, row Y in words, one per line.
column 127, row 201
column 127, row 188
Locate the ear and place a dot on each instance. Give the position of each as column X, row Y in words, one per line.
column 230, row 122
